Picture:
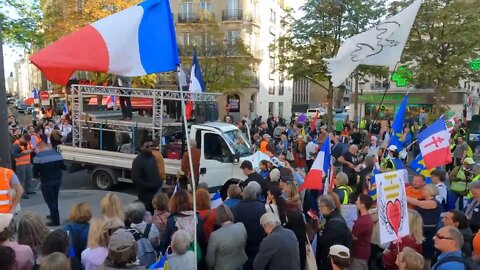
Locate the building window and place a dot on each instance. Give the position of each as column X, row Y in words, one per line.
column 280, row 109
column 187, row 9
column 233, row 5
column 272, row 64
column 232, row 36
column 186, row 39
column 281, row 88
column 273, row 16
column 270, row 108
column 271, row 88
column 206, row 6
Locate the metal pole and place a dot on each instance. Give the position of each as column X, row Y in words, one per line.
column 355, row 105
column 189, row 149
column 5, row 157
column 383, row 97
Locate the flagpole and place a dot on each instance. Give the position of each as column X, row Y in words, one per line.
column 192, row 172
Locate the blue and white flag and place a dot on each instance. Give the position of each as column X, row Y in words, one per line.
column 197, row 85
column 162, row 264
column 397, row 127
column 216, row 200
column 35, row 93
column 65, row 109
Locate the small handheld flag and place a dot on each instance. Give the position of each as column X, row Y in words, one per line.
column 216, row 200
column 65, row 109
column 418, row 165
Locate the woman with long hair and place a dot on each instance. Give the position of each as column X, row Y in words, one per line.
column 299, row 152
column 414, row 240
column 97, row 243
column 78, row 227
column 206, row 214
column 292, row 196
column 55, row 261
column 112, row 206
column 161, row 213
column 181, row 218
column 276, row 204
column 32, row 232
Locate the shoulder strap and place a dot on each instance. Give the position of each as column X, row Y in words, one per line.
column 147, row 230
column 271, row 208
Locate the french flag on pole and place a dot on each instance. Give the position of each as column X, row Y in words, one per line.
column 319, row 169
column 197, row 85
column 435, row 145
column 65, row 109
column 110, row 102
column 136, row 41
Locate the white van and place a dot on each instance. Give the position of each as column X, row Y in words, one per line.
column 313, row 111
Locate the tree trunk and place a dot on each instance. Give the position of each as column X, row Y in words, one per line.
column 330, row 106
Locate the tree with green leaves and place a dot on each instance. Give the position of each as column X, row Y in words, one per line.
column 441, row 45
column 226, row 64
column 318, row 35
column 21, row 23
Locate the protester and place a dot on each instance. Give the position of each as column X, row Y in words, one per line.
column 275, row 203
column 333, row 232
column 58, row 241
column 299, row 152
column 122, row 252
column 460, row 177
column 8, row 182
column 24, row 258
column 78, row 227
column 362, row 234
column 185, row 164
column 125, row 102
column 460, row 152
column 476, row 248
column 473, row 209
column 202, row 200
column 279, row 249
column 248, row 211
column 438, row 178
column 135, row 216
column 415, row 191
column 234, row 195
column 414, row 240
column 182, row 218
column 409, row 259
column 96, row 252
column 449, row 242
column 292, row 196
column 226, row 245
column 181, row 258
column 21, row 151
column 252, row 175
column 48, row 165
column 339, row 257
column 341, row 188
column 111, row 206
column 458, row 220
column 348, row 160
column 161, row 214
column 7, row 258
column 145, row 175
column 55, row 261
column 32, row 232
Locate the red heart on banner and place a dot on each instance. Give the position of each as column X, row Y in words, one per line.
column 394, row 214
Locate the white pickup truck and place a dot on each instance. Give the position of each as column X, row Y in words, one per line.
column 222, row 147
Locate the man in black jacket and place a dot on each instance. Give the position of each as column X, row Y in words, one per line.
column 248, row 211
column 145, row 175
column 334, row 232
column 252, row 175
column 48, row 165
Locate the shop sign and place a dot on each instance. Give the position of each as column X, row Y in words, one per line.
column 392, row 98
column 234, row 103
column 475, row 64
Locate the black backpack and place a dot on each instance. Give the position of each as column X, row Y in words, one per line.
column 76, row 240
column 467, row 262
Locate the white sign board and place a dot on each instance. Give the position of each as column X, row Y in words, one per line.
column 392, row 205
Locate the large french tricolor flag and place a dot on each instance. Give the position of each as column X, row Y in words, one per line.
column 319, row 169
column 434, row 144
column 197, row 85
column 137, row 41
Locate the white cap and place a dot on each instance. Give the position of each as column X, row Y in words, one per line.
column 5, row 220
column 392, row 148
column 339, row 251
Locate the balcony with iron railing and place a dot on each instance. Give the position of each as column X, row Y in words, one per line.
column 232, row 15
column 211, row 51
column 188, row 17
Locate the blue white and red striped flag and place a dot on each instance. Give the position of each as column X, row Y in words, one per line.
column 434, row 144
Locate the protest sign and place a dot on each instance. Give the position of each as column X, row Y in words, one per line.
column 392, row 205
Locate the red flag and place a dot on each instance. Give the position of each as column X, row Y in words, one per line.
column 314, row 121
column 188, row 110
column 332, row 179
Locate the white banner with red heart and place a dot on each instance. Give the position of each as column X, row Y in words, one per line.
column 392, row 205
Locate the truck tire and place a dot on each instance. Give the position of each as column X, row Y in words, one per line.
column 103, row 179
column 224, row 188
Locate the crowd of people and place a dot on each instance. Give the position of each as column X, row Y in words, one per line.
column 264, row 221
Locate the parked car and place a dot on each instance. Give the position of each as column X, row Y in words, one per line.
column 22, row 107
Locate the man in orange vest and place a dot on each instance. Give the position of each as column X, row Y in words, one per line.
column 264, row 145
column 21, row 151
column 48, row 113
column 8, row 182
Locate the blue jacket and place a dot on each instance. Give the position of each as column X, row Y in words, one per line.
column 48, row 165
column 449, row 265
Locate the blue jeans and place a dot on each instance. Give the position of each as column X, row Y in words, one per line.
column 460, row 203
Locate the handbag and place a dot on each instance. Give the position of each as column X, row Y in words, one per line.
column 310, row 262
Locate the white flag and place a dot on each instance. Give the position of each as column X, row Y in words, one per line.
column 379, row 46
column 182, row 78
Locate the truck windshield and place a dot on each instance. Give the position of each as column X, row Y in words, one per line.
column 237, row 142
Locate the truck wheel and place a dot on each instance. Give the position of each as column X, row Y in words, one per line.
column 224, row 188
column 103, row 179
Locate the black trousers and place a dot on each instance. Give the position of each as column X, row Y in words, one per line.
column 50, row 195
column 126, row 106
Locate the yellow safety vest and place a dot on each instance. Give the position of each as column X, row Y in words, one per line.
column 347, row 191
column 470, row 195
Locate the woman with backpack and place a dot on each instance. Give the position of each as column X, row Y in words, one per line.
column 78, row 227
column 96, row 252
column 202, row 199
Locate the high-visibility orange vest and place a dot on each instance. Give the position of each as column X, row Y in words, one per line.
column 5, row 180
column 23, row 159
column 263, row 146
column 35, row 137
column 48, row 112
